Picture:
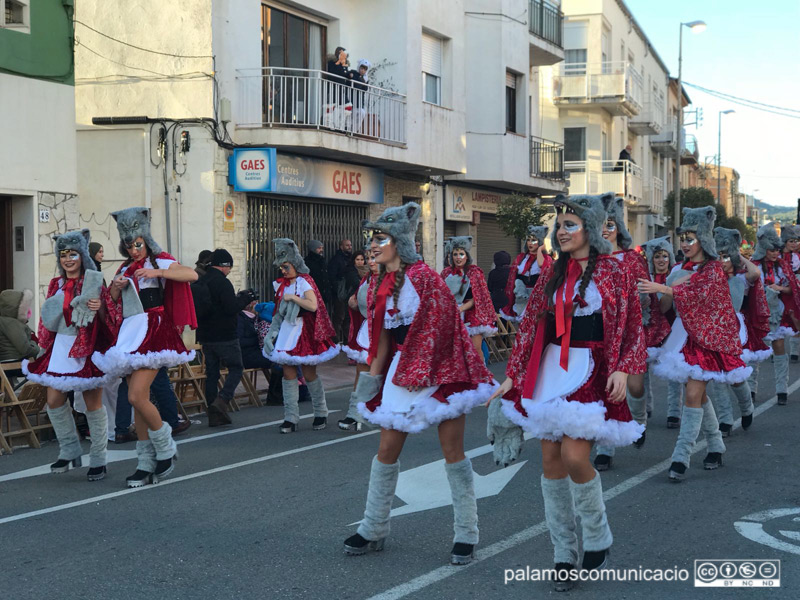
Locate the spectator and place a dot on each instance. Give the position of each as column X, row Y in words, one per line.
column 418, row 247
column 251, row 334
column 625, row 154
column 216, row 333
column 17, row 340
column 96, row 252
column 202, row 262
column 356, row 270
column 339, row 65
column 339, row 93
column 363, row 68
column 498, row 278
column 336, row 269
column 315, row 261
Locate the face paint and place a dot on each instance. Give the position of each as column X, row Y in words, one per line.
column 689, row 241
column 135, row 245
column 383, row 241
column 572, row 227
column 610, row 226
column 69, row 254
column 725, row 258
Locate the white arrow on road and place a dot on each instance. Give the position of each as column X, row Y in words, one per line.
column 426, row 487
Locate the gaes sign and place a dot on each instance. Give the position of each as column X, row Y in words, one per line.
column 252, row 169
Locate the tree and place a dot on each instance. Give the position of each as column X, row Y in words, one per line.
column 693, row 197
column 748, row 233
column 516, row 212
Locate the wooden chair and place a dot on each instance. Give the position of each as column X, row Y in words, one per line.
column 12, row 406
column 188, row 382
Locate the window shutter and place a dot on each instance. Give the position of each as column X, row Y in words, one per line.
column 431, row 55
column 511, row 80
column 576, row 35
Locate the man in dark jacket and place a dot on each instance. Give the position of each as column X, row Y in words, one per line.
column 498, row 278
column 216, row 333
column 336, row 269
column 315, row 261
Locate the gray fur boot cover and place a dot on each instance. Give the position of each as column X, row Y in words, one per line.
column 559, row 514
column 674, row 399
column 98, row 428
column 648, row 391
column 752, row 381
column 382, row 484
column 163, row 442
column 720, row 396
column 780, row 362
column 69, row 446
column 317, row 397
column 743, row 397
column 352, row 407
column 605, row 450
column 710, row 429
column 465, row 504
column 638, row 408
column 592, row 510
column 291, row 397
column 146, row 453
column 691, row 420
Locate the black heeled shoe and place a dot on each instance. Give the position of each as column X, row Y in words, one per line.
column 96, row 473
column 356, row 545
column 139, row 479
column 462, row 554
column 164, row 468
column 62, row 465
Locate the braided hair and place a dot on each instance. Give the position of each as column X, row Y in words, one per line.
column 399, row 280
column 560, row 273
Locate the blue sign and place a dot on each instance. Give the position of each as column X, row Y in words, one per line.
column 252, row 169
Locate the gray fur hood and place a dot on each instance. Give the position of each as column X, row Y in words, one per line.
column 656, row 245
column 286, row 251
column 728, row 241
column 700, row 221
column 400, row 222
column 616, row 213
column 74, row 240
column 133, row 223
column 766, row 239
column 593, row 211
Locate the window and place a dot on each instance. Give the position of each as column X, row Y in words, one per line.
column 575, row 45
column 431, row 69
column 15, row 13
column 511, row 102
column 290, row 41
column 574, row 144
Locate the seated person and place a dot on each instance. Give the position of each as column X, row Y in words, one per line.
column 17, row 341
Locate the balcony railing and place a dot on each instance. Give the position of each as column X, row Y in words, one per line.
column 547, row 159
column 616, row 86
column 598, row 176
column 305, row 98
column 650, row 119
column 666, row 141
column 546, row 21
column 653, row 200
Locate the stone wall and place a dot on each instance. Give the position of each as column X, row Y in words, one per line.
column 64, row 216
column 234, row 242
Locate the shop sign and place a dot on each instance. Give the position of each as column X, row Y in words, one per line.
column 461, row 202
column 252, row 169
column 229, row 216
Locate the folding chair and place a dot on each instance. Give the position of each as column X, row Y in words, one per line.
column 12, row 406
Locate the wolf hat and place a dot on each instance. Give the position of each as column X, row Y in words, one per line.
column 616, row 213
column 537, row 231
column 400, row 222
column 728, row 242
column 766, row 239
column 790, row 232
column 74, row 240
column 700, row 221
column 133, row 223
column 656, row 245
column 593, row 211
column 286, row 251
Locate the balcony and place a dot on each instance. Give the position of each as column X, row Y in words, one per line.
column 650, row 120
column 613, row 86
column 310, row 99
column 546, row 25
column 547, row 159
column 652, row 198
column 689, row 152
column 665, row 142
column 599, row 176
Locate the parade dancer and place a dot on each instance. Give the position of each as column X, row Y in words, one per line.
column 704, row 342
column 580, row 340
column 424, row 371
column 524, row 272
column 616, row 233
column 77, row 318
column 301, row 335
column 660, row 261
column 152, row 291
column 750, row 304
column 468, row 285
column 790, row 236
column 357, row 347
column 783, row 297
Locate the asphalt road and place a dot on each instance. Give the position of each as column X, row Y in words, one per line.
column 250, row 513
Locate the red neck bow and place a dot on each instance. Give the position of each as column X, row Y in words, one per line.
column 528, row 263
column 769, row 272
column 283, row 283
column 69, row 295
column 131, row 269
column 689, row 265
column 385, row 290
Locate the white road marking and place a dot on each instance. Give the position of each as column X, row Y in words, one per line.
column 120, row 455
column 437, row 575
column 244, row 463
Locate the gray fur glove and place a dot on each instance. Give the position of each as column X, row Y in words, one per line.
column 272, row 333
column 506, row 437
column 775, row 306
column 82, row 315
column 368, row 387
column 289, row 311
column 131, row 304
column 457, row 287
column 521, row 296
column 52, row 312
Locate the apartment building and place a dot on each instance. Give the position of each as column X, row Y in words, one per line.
column 726, row 181
column 611, row 92
column 38, row 185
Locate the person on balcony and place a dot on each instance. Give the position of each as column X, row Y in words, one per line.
column 338, row 88
column 624, row 155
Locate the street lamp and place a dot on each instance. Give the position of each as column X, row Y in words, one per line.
column 719, row 151
column 695, row 27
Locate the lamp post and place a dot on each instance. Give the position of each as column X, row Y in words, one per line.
column 696, row 27
column 719, row 152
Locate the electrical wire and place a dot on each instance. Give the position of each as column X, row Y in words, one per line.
column 795, row 110
column 105, row 35
column 79, row 43
column 760, row 106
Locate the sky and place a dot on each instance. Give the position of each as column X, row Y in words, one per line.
column 751, row 49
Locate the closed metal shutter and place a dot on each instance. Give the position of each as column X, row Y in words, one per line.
column 431, row 55
column 492, row 239
column 301, row 220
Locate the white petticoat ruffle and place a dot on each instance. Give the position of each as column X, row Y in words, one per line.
column 781, row 333
column 66, row 383
column 284, row 358
column 673, row 367
column 755, row 356
column 553, row 419
column 356, row 354
column 481, row 330
column 119, row 363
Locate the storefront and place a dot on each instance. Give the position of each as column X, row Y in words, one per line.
column 473, row 211
column 301, row 198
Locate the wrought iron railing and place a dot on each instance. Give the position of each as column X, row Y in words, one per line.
column 547, row 159
column 546, row 21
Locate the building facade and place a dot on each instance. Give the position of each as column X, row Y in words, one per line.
column 726, row 180
column 38, row 184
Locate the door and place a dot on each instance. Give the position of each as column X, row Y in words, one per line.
column 6, row 247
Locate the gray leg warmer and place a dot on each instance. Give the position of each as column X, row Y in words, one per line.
column 752, row 381
column 607, row 450
column 720, row 395
column 146, row 453
column 648, row 391
column 382, row 483
column 691, row 421
column 710, row 428
column 592, row 510
column 465, row 505
column 98, row 428
column 780, row 363
column 317, row 397
column 743, row 397
column 559, row 514
column 69, row 446
column 291, row 397
column 674, row 399
column 794, row 346
column 352, row 408
column 163, row 442
column 638, row 408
